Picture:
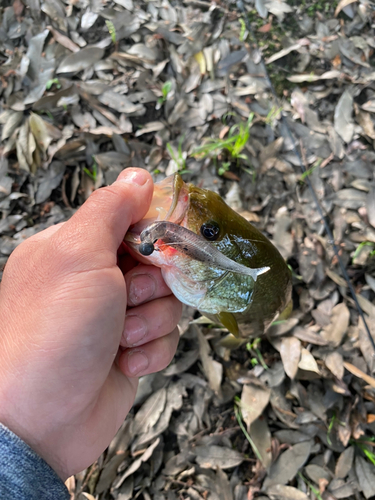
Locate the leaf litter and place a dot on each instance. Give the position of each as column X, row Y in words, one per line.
column 87, row 89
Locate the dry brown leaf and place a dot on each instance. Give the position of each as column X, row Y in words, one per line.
column 307, row 362
column 281, row 492
column 150, row 412
column 359, row 373
column 261, row 436
column 370, row 206
column 39, row 130
column 334, row 363
column 365, row 342
column 288, row 464
column 365, row 121
column 336, row 278
column 224, row 485
column 308, row 335
column 265, row 28
column 344, row 463
column 88, row 496
column 290, row 352
column 70, row 483
column 336, row 330
column 287, row 50
column 254, row 399
column 366, row 476
column 367, row 306
column 341, row 5
column 211, row 457
column 64, row 40
column 201, row 60
column 138, row 462
column 18, row 7
column 212, row 368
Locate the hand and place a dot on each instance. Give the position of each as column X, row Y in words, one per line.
column 65, row 385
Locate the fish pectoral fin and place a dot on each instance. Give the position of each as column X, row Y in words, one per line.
column 229, row 321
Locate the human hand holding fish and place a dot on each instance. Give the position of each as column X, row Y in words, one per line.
column 70, row 349
column 79, row 324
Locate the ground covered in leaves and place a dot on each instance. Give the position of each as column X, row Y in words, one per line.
column 90, row 87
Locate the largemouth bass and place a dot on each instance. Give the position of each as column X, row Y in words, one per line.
column 212, row 258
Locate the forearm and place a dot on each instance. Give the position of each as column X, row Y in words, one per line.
column 24, row 475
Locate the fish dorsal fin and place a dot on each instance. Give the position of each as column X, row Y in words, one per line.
column 229, row 321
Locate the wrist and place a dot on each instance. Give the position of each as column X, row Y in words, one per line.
column 41, row 445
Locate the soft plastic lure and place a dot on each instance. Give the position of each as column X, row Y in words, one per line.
column 193, row 245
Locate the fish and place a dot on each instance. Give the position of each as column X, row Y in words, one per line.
column 212, row 258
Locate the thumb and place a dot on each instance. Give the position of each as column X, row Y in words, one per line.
column 99, row 226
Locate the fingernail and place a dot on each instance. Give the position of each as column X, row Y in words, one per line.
column 133, row 176
column 135, row 329
column 142, row 287
column 137, row 362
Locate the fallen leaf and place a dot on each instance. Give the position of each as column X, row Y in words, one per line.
column 338, row 326
column 150, row 412
column 212, row 368
column 137, row 463
column 119, row 102
column 261, row 8
column 343, row 121
column 328, row 75
column 64, row 40
column 265, row 28
column 281, row 492
column 366, row 476
column 261, row 436
column 359, row 373
column 254, row 399
column 370, row 206
column 39, row 130
column 290, row 352
column 307, row 362
column 344, row 463
column 223, row 485
column 11, row 123
column 342, row 4
column 78, row 61
column 334, row 363
column 287, row 50
column 150, row 127
column 288, row 464
column 201, row 60
column 365, row 121
column 316, row 473
column 211, row 457
column 49, row 180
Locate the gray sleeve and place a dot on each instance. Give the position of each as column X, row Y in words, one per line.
column 24, row 475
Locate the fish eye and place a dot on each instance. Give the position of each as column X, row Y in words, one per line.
column 210, row 230
column 146, row 248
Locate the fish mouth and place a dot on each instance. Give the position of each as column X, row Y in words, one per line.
column 169, row 202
